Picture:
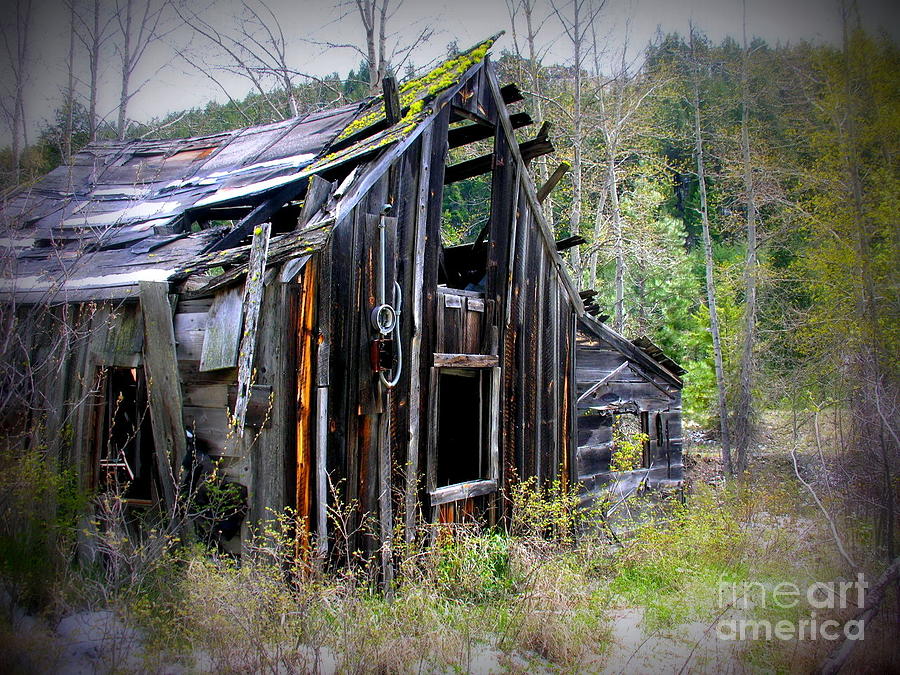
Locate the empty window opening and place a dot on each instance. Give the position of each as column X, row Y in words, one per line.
column 629, row 449
column 125, row 436
column 463, row 426
column 466, row 214
column 466, row 206
column 466, row 210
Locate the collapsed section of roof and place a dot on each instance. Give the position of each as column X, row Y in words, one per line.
column 646, row 345
column 640, row 351
column 125, row 212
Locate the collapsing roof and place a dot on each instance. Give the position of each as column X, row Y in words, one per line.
column 125, row 212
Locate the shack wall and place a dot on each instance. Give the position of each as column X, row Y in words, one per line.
column 626, row 387
column 525, row 320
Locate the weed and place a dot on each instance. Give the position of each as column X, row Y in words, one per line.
column 39, row 506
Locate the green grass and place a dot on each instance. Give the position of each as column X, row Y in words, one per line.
column 535, row 597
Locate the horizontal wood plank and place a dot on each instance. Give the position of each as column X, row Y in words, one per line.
column 466, row 360
column 452, row 493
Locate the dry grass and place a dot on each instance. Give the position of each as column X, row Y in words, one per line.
column 487, row 600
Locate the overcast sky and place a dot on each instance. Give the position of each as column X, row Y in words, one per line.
column 172, row 83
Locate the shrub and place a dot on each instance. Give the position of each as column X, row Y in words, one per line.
column 39, row 508
column 473, row 567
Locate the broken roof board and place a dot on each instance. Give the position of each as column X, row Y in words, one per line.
column 629, row 349
column 119, row 183
column 118, row 194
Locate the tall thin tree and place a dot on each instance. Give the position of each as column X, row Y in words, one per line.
column 744, row 407
column 710, row 276
column 577, row 18
column 139, row 27
column 15, row 34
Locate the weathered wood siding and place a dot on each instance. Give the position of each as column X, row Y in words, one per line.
column 626, row 386
column 524, row 319
column 265, row 458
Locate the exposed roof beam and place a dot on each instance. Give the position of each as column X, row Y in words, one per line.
column 551, row 183
column 569, row 242
column 478, row 132
column 261, row 214
column 458, row 113
column 511, row 93
column 475, row 167
column 391, row 100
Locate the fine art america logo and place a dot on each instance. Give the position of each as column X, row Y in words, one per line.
column 820, row 595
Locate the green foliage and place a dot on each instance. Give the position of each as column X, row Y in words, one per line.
column 39, row 507
column 673, row 565
column 545, row 511
column 466, row 209
column 628, row 450
column 849, row 193
column 474, row 568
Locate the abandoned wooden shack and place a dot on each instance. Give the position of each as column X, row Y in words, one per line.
column 283, row 293
column 625, row 388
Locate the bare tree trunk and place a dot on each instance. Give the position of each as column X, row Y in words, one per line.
column 375, row 47
column 94, row 58
column 619, row 247
column 16, row 43
column 382, row 41
column 124, row 94
column 534, row 71
column 139, row 29
column 596, row 243
column 575, row 216
column 70, row 89
column 576, row 30
column 744, row 409
column 710, row 279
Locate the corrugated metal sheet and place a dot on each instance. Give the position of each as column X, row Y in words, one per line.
column 120, row 213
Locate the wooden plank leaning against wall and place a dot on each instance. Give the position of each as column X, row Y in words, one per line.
column 305, row 403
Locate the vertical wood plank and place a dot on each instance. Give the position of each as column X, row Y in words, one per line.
column 274, row 447
column 323, row 322
column 322, row 470
column 495, row 424
column 60, row 376
column 253, row 292
column 385, row 506
column 438, row 154
column 306, row 353
column 316, row 195
column 558, row 377
column 433, row 413
column 222, row 337
column 410, row 496
column 540, row 385
column 161, row 369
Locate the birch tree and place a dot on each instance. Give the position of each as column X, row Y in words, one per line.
column 620, row 99
column 744, row 407
column 15, row 37
column 577, row 19
column 138, row 27
column 532, row 59
column 93, row 29
column 710, row 276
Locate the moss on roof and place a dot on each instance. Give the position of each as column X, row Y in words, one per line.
column 415, row 93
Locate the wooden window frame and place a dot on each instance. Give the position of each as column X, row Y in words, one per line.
column 473, row 488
